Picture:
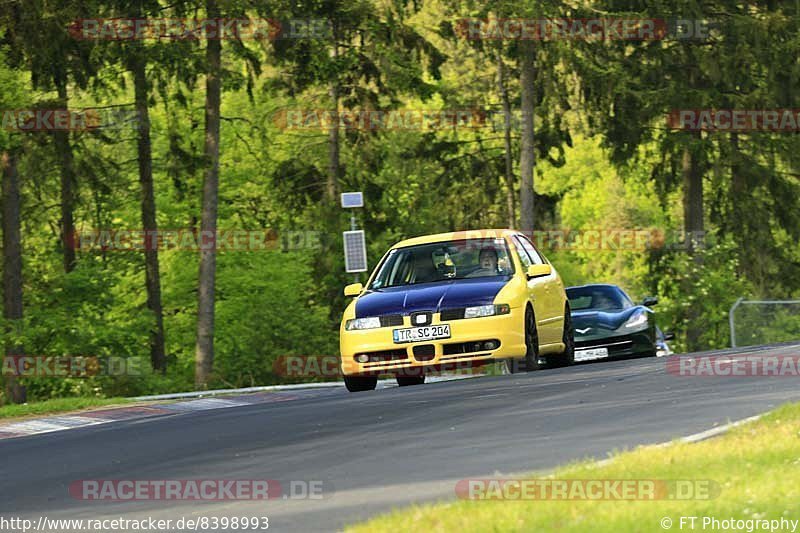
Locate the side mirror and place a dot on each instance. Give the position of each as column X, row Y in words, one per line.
column 354, row 289
column 668, row 336
column 650, row 300
column 535, row 271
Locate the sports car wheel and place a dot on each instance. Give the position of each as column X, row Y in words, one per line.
column 531, row 360
column 360, row 383
column 567, row 357
column 405, row 381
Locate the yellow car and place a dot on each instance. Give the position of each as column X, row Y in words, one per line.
column 446, row 300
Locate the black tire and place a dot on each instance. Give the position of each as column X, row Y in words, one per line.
column 531, row 360
column 567, row 357
column 360, row 383
column 405, row 381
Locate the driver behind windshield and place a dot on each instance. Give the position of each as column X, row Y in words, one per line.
column 487, row 262
column 441, row 261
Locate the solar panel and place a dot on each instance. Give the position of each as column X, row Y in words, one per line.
column 355, row 251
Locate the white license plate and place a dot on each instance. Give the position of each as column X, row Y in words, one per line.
column 424, row 333
column 591, row 354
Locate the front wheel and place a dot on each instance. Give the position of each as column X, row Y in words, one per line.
column 360, row 383
column 567, row 357
column 531, row 360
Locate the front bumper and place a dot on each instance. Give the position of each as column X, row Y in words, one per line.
column 634, row 344
column 457, row 352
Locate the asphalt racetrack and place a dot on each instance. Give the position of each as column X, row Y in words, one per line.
column 374, row 451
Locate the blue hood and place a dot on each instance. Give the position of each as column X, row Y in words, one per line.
column 429, row 296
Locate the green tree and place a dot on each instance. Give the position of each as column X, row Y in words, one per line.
column 39, row 37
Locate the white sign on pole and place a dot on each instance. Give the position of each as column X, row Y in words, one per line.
column 352, row 199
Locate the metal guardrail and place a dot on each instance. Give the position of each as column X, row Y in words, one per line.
column 294, row 386
column 741, row 301
column 245, row 390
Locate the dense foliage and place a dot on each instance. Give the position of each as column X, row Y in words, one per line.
column 604, row 160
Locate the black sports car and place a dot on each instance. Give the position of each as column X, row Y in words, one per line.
column 608, row 324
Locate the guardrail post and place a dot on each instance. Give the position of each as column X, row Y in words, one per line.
column 730, row 320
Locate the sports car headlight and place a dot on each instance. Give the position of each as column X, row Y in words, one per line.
column 486, row 310
column 637, row 320
column 369, row 322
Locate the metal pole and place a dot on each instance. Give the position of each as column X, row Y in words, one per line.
column 353, row 228
column 730, row 320
column 771, row 302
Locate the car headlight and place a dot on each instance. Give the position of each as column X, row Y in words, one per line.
column 369, row 322
column 486, row 310
column 637, row 320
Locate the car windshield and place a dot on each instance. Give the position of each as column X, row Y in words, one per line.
column 600, row 297
column 441, row 261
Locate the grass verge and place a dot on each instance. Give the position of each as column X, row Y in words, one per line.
column 755, row 467
column 58, row 405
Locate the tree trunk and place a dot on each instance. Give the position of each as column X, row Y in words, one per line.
column 527, row 158
column 692, row 174
column 738, row 223
column 509, row 176
column 333, row 136
column 158, row 358
column 67, row 167
column 12, row 269
column 333, row 146
column 692, row 199
column 204, row 350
